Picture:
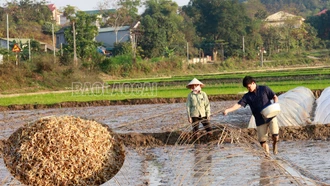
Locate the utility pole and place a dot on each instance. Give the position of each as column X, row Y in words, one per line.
column 53, row 43
column 134, row 36
column 187, row 52
column 262, row 56
column 30, row 49
column 222, row 53
column 74, row 45
column 61, row 49
column 8, row 36
column 243, row 48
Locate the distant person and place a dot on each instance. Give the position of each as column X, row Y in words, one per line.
column 198, row 106
column 259, row 97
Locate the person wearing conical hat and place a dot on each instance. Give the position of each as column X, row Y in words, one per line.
column 198, row 106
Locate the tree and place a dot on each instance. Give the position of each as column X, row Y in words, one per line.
column 289, row 38
column 160, row 25
column 85, row 33
column 189, row 30
column 29, row 11
column 253, row 39
column 131, row 6
column 26, row 18
column 255, row 9
column 271, row 37
column 222, row 20
column 125, row 13
column 322, row 24
column 48, row 27
column 298, row 7
column 69, row 12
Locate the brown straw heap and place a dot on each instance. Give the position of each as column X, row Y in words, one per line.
column 63, row 151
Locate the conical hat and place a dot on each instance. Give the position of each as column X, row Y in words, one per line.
column 195, row 82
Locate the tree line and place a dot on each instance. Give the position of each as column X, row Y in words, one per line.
column 219, row 28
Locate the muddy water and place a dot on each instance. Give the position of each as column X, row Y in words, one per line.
column 212, row 163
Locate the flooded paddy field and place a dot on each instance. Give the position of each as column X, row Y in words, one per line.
column 160, row 150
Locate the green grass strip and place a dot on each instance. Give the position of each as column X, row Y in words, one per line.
column 154, row 92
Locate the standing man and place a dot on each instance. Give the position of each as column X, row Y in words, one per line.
column 258, row 98
column 198, row 106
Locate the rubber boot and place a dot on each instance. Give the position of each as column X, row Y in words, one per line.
column 275, row 142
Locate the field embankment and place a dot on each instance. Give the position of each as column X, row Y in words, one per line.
column 221, row 97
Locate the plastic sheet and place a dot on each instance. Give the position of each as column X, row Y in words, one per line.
column 322, row 111
column 296, row 107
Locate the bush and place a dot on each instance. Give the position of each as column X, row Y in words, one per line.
column 156, row 59
column 114, row 65
column 43, row 66
column 66, row 60
column 105, row 65
column 122, row 59
column 143, row 67
column 126, row 70
column 122, row 48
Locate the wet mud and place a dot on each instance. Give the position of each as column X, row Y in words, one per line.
column 161, row 150
column 223, row 133
column 232, row 135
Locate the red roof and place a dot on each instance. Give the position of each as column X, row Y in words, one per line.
column 322, row 12
column 51, row 7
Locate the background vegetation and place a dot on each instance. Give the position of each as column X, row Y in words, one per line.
column 167, row 37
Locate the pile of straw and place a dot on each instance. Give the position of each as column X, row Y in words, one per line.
column 63, row 151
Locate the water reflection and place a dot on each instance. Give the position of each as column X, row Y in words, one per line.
column 203, row 165
column 186, row 164
column 264, row 172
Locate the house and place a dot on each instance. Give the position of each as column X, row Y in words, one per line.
column 108, row 36
column 3, row 42
column 322, row 12
column 55, row 13
column 282, row 18
column 60, row 37
column 63, row 20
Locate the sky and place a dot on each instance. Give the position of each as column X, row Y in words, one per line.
column 85, row 4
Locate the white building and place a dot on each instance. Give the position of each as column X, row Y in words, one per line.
column 107, row 36
column 282, row 18
column 110, row 35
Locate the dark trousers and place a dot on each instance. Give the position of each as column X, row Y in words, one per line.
column 203, row 120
